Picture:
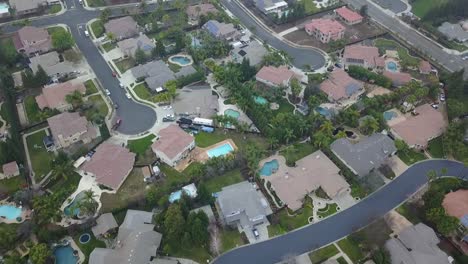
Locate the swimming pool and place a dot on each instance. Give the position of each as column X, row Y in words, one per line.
column 392, row 66
column 181, row 60
column 220, row 150
column 260, row 100
column 232, row 113
column 10, row 212
column 389, row 115
column 323, row 111
column 269, row 167
column 64, row 255
column 175, row 196
column 72, row 209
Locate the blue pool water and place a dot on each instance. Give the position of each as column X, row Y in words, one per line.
column 389, row 115
column 392, row 66
column 64, row 255
column 10, row 212
column 260, row 100
column 85, row 238
column 269, row 167
column 220, row 150
column 175, row 196
column 70, row 210
column 182, row 60
column 232, row 113
column 323, row 111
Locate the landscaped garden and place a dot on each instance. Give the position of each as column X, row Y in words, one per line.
column 351, row 249
column 108, row 46
column 295, row 152
column 436, row 148
column 99, row 107
column 328, row 210
column 411, row 156
column 323, row 254
column 97, row 27
column 90, row 246
column 405, row 58
column 33, row 112
column 204, row 140
column 40, row 157
column 230, row 239
column 124, row 64
column 9, row 186
column 90, row 87
column 282, row 223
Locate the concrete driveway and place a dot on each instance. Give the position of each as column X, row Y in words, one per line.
column 262, row 232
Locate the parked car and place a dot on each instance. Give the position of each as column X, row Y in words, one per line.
column 168, row 119
column 107, row 92
column 442, row 97
column 114, row 74
column 116, row 106
column 128, row 95
column 121, row 85
column 255, row 232
column 86, row 33
column 435, row 106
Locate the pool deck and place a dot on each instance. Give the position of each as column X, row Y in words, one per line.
column 199, row 154
column 81, row 256
column 25, row 214
column 181, row 55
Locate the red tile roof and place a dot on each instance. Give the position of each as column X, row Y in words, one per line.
column 456, row 203
column 111, row 164
column 325, row 26
column 172, row 141
column 368, row 54
column 338, row 84
column 38, row 39
column 425, row 67
column 398, row 78
column 68, row 124
column 276, row 75
column 10, row 169
column 348, row 14
column 53, row 96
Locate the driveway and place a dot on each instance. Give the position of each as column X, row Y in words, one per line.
column 345, row 222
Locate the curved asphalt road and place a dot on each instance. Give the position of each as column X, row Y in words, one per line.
column 136, row 117
column 301, row 56
column 344, row 223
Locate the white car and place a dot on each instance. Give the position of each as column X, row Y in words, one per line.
column 128, row 95
column 86, row 33
column 107, row 92
column 442, row 97
column 121, row 85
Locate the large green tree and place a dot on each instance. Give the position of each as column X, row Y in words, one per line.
column 40, row 253
column 174, row 223
column 62, row 40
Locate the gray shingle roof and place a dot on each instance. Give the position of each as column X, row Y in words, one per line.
column 105, row 222
column 453, row 31
column 254, row 51
column 367, row 154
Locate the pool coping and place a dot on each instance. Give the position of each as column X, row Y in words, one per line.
column 24, row 214
column 74, row 246
column 180, row 55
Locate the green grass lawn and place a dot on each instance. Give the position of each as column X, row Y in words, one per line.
column 411, row 156
column 287, row 223
column 310, row 7
column 125, row 64
column 71, row 182
column 204, row 140
column 323, row 254
column 328, row 210
column 54, row 9
column 174, row 67
column 90, row 87
column 357, row 191
column 436, row 148
column 99, row 104
column 52, row 30
column 198, row 254
column 90, row 246
column 405, row 57
column 97, row 27
column 296, row 152
column 95, row 3
column 230, row 239
column 341, row 260
column 284, row 107
column 421, row 7
column 12, row 185
column 3, row 113
column 108, row 46
column 408, row 212
column 139, row 146
column 143, row 92
column 215, row 184
column 32, row 110
column 40, row 158
column 352, row 250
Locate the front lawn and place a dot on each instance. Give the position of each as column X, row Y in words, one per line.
column 98, row 105
column 124, row 64
column 403, row 54
column 323, row 254
column 297, row 151
column 436, row 148
column 97, row 27
column 352, row 250
column 55, row 29
column 90, row 246
column 216, row 183
column 328, row 210
column 143, row 92
column 108, row 46
column 409, row 212
column 196, row 253
column 411, row 156
column 90, row 87
column 40, row 157
column 54, row 9
column 421, row 7
column 282, row 223
column 230, row 239
column 139, row 146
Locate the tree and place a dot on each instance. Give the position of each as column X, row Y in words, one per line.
column 203, row 195
column 8, row 53
column 28, row 79
column 39, row 253
column 369, row 125
column 7, row 237
column 198, row 226
column 296, row 87
column 14, row 259
column 75, row 98
column 105, row 14
column 173, row 225
column 159, row 51
column 110, row 36
column 62, row 40
column 140, row 56
column 363, row 10
column 88, row 205
column 41, row 78
column 61, row 166
column 381, row 256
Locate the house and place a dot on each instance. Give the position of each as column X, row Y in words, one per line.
column 194, row 12
column 340, row 86
column 242, row 205
column 368, row 154
column 453, row 31
column 275, row 76
column 111, row 165
column 271, row 6
column 325, row 30
column 418, row 128
column 122, row 28
column 54, row 96
column 197, row 99
column 136, row 242
column 155, row 73
column 4, row 10
column 25, row 7
column 425, row 67
column 363, row 56
column 30, row 40
column 173, row 145
column 253, row 51
column 398, row 78
column 314, row 171
column 416, row 244
column 222, row 30
column 104, row 224
column 348, row 16
column 69, row 128
column 129, row 46
column 52, row 63
column 9, row 170
column 456, row 205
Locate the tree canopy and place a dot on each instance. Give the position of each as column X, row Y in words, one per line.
column 62, row 40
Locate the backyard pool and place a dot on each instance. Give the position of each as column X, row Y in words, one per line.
column 181, row 60
column 392, row 66
column 323, row 111
column 175, row 196
column 232, row 113
column 72, row 209
column 85, row 238
column 220, row 150
column 260, row 100
column 269, row 167
column 64, row 255
column 389, row 115
column 10, row 212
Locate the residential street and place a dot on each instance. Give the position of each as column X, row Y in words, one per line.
column 345, row 222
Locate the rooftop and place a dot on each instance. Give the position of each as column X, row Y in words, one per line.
column 22, row 5
column 340, row 85
column 54, row 95
column 195, row 11
column 130, row 46
column 456, row 204
column 348, row 14
column 111, row 164
column 219, row 29
column 104, row 223
column 172, row 141
column 196, row 99
column 51, row 64
column 398, row 78
column 10, row 168
column 123, row 27
column 367, row 54
column 453, row 31
column 325, row 26
column 253, row 51
column 66, row 125
column 276, row 75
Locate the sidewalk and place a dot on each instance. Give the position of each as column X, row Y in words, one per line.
column 61, row 12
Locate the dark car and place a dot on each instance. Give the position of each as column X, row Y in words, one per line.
column 168, row 119
column 184, row 120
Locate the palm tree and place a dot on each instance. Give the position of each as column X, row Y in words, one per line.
column 75, row 99
column 272, row 142
column 288, row 135
column 87, row 204
column 369, row 125
column 431, row 175
column 61, row 166
column 327, row 128
column 341, row 134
